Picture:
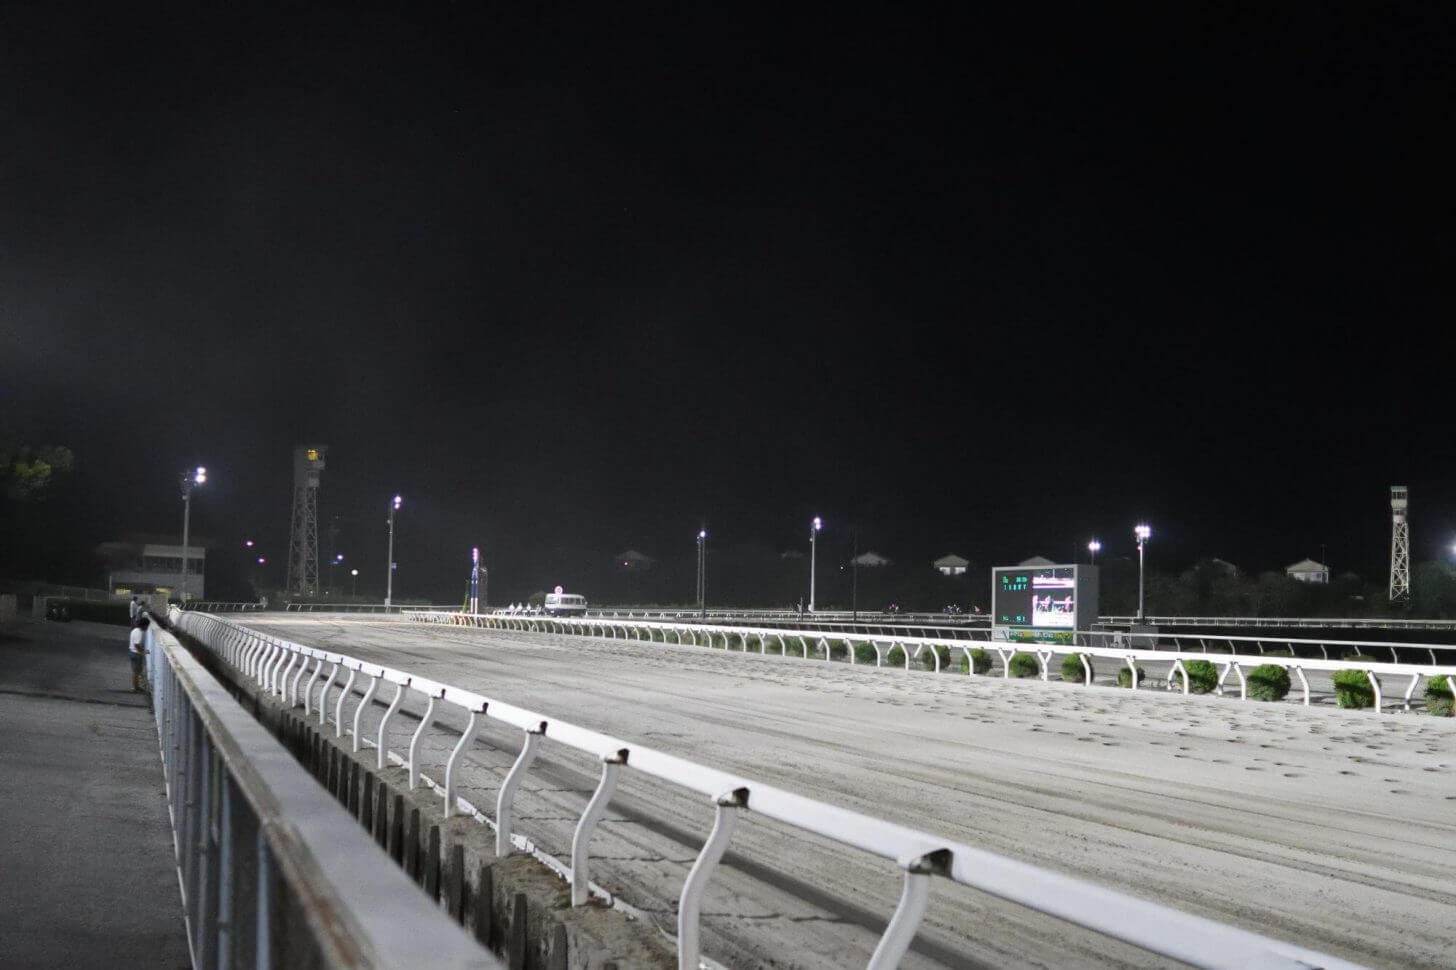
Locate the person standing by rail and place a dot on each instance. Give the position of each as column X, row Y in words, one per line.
column 137, row 648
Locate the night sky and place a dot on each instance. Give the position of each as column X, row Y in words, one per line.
column 576, row 284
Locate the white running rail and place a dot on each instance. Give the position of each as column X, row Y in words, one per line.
column 279, row 667
column 1124, row 648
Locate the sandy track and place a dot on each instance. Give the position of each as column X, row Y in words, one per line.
column 1333, row 829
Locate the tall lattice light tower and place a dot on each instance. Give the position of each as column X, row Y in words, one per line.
column 303, row 557
column 1399, row 543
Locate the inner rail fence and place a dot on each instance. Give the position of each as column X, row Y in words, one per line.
column 296, row 674
column 273, row 872
column 1126, row 648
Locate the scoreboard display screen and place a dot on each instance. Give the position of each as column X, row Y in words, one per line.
column 1040, row 600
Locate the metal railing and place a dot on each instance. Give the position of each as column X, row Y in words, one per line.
column 290, row 672
column 1356, row 623
column 274, row 873
column 346, row 608
column 837, row 616
column 208, row 606
column 1126, row 648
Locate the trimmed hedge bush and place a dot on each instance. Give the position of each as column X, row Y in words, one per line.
column 1202, row 676
column 895, row 658
column 1438, row 697
column 864, row 653
column 1024, row 664
column 1353, row 689
column 927, row 657
column 1072, row 671
column 1124, row 676
column 1268, row 682
column 977, row 656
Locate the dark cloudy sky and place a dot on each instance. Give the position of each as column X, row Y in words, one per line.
column 575, row 283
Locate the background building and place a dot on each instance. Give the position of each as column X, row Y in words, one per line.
column 145, row 565
column 952, row 565
column 1308, row 571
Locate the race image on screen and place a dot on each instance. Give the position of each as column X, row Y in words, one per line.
column 1036, row 597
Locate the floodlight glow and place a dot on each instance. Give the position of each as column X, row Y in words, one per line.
column 262, row 561
column 353, row 572
column 475, row 554
column 200, row 475
column 248, row 543
column 398, row 501
column 1094, row 546
column 818, row 523
column 1143, row 532
column 702, row 533
column 339, row 557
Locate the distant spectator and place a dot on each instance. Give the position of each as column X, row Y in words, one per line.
column 137, row 647
column 136, row 609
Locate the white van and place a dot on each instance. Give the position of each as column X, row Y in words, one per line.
column 565, row 604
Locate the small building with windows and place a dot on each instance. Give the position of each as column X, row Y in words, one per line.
column 869, row 560
column 1308, row 571
column 1036, row 561
column 146, row 565
column 952, row 565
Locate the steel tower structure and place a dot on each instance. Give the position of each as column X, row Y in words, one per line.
column 1399, row 543
column 303, row 557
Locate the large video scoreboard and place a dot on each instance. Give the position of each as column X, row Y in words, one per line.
column 1040, row 602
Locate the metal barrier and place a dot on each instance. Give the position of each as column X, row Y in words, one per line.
column 1124, row 648
column 346, row 608
column 213, row 607
column 274, row 873
column 279, row 667
column 1365, row 622
column 833, row 616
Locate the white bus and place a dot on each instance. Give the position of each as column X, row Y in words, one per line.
column 565, row 604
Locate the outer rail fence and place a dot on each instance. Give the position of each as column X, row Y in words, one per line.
column 1362, row 622
column 837, row 616
column 273, row 872
column 1124, row 647
column 279, row 667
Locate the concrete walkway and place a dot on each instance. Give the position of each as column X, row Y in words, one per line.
column 90, row 879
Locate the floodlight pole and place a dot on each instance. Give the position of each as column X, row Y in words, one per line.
column 702, row 572
column 813, row 550
column 1142, row 532
column 389, row 575
column 189, row 479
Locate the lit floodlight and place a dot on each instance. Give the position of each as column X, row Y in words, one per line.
column 248, row 543
column 1143, row 532
column 702, row 533
column 353, row 572
column 818, row 523
column 200, row 475
column 475, row 554
column 339, row 557
column 1094, row 546
column 398, row 501
column 262, row 561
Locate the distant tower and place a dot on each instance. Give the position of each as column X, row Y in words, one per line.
column 1399, row 544
column 303, row 557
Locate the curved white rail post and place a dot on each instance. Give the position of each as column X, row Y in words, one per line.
column 1045, row 658
column 1303, row 682
column 1132, row 671
column 1178, row 668
column 452, row 774
column 382, row 743
column 414, row 748
column 368, row 699
column 339, row 706
column 505, row 802
column 293, row 687
column 308, row 688
column 1451, row 685
column 581, row 839
column 323, row 702
column 689, row 946
column 1086, row 668
column 913, row 900
column 1411, row 689
column 1243, row 681
column 293, row 658
column 1375, row 686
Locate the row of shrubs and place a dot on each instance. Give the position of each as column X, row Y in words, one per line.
column 1266, row 682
